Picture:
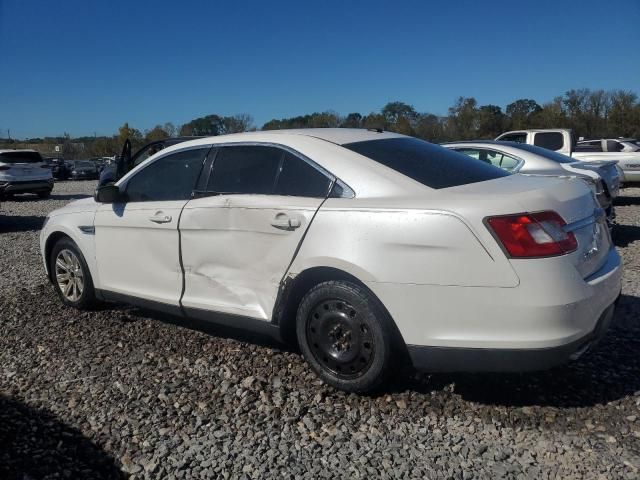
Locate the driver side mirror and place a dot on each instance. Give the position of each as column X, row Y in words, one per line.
column 108, row 194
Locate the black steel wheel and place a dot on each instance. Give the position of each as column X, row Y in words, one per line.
column 345, row 336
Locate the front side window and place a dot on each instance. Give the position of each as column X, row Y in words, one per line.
column 549, row 140
column 169, row 178
column 245, row 169
column 424, row 162
column 614, row 146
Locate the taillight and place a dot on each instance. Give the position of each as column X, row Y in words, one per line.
column 530, row 235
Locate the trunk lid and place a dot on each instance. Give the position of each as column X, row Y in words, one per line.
column 607, row 171
column 571, row 198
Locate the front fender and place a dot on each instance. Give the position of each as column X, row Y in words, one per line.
column 78, row 227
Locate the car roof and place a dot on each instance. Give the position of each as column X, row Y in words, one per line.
column 483, row 142
column 338, row 136
column 12, row 150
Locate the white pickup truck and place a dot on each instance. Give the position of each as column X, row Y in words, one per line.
column 563, row 141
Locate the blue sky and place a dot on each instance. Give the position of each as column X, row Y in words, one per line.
column 88, row 66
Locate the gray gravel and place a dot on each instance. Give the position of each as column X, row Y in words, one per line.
column 91, row 394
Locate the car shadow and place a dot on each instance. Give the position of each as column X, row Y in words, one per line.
column 626, row 201
column 607, row 373
column 68, row 196
column 213, row 329
column 36, row 444
column 20, row 223
column 623, row 235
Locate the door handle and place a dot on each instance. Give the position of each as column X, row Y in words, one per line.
column 283, row 222
column 160, row 217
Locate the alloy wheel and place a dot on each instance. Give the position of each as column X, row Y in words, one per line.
column 69, row 275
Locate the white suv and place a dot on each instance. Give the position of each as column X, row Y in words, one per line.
column 24, row 171
column 364, row 246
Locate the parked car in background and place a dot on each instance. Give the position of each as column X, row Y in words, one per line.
column 609, row 145
column 59, row 168
column 84, row 170
column 128, row 161
column 365, row 247
column 24, row 171
column 563, row 141
column 601, row 176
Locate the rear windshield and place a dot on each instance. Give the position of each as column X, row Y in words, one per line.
column 429, row 164
column 83, row 164
column 543, row 152
column 20, row 157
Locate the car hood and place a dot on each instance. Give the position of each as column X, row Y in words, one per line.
column 77, row 206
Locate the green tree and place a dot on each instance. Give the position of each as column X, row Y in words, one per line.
column 490, row 121
column 156, row 133
column 353, row 120
column 133, row 134
column 521, row 113
column 463, row 119
column 624, row 115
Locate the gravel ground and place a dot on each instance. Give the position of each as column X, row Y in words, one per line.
column 118, row 392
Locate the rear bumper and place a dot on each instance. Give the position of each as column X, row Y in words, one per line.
column 29, row 186
column 444, row 359
column 631, row 176
column 553, row 314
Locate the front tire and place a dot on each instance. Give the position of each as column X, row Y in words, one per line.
column 345, row 336
column 70, row 275
column 44, row 194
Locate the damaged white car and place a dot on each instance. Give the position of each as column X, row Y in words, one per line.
column 368, row 248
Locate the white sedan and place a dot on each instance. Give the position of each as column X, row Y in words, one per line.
column 368, row 248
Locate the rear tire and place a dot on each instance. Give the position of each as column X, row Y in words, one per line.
column 70, row 275
column 345, row 336
column 44, row 194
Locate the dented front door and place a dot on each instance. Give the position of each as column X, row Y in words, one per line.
column 236, row 249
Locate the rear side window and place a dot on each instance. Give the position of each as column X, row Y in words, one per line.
column 245, row 169
column 429, row 164
column 172, row 177
column 20, row 157
column 497, row 159
column 514, row 137
column 589, row 147
column 298, row 178
column 549, row 140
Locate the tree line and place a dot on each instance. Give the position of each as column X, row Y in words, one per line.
column 590, row 113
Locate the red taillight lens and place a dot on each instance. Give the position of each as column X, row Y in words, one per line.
column 529, row 235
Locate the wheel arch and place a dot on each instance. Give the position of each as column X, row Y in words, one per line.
column 51, row 240
column 293, row 289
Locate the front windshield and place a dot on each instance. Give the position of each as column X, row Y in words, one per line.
column 83, row 165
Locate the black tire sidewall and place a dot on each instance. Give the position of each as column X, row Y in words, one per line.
column 376, row 318
column 87, row 298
